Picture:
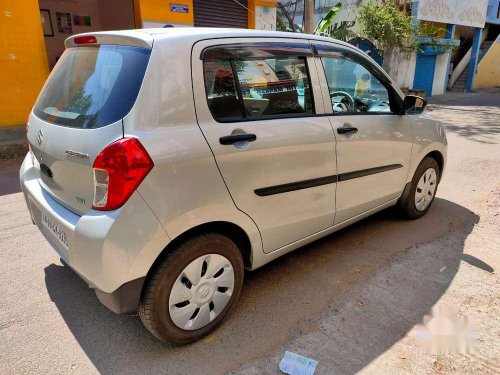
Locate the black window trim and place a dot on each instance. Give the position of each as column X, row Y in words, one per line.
column 292, row 50
column 238, row 89
column 330, row 50
column 255, row 50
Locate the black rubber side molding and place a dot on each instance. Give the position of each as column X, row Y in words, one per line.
column 367, row 172
column 232, row 139
column 299, row 185
column 305, row 184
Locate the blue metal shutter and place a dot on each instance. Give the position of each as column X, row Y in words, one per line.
column 424, row 73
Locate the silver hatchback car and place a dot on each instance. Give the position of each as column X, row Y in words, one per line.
column 163, row 162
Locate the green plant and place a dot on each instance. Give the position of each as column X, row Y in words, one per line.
column 340, row 30
column 387, row 25
column 327, row 20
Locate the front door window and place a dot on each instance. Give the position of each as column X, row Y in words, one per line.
column 353, row 88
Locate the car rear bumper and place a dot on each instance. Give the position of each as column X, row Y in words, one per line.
column 110, row 250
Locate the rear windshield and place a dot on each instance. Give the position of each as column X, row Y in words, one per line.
column 91, row 87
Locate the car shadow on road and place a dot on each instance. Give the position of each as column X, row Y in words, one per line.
column 285, row 298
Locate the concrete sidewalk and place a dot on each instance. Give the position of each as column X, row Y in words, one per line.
column 13, row 141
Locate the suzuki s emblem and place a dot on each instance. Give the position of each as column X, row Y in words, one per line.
column 39, row 137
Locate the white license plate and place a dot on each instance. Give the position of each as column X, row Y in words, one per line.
column 55, row 230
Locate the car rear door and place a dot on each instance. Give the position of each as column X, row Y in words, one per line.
column 79, row 112
column 373, row 140
column 256, row 103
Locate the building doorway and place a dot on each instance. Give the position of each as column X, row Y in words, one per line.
column 63, row 18
column 221, row 13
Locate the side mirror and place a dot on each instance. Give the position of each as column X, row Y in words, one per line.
column 413, row 105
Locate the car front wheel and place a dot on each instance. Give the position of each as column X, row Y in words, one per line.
column 418, row 199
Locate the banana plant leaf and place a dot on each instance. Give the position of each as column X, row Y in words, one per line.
column 327, row 20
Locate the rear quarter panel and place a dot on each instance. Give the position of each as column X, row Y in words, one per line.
column 185, row 188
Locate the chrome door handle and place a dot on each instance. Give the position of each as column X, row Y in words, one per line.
column 232, row 139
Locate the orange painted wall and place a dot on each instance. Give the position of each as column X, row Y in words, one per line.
column 23, row 60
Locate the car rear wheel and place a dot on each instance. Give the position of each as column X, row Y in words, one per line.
column 192, row 288
column 417, row 200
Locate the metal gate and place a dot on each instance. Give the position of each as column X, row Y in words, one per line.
column 424, row 73
column 221, row 13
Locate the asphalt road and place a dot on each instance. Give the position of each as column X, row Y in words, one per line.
column 352, row 300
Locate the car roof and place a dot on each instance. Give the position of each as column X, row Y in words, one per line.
column 194, row 34
column 200, row 33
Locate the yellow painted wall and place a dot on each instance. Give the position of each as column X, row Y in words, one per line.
column 488, row 70
column 159, row 10
column 251, row 14
column 23, row 60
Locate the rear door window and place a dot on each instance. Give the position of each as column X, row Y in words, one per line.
column 274, row 86
column 258, row 81
column 220, row 87
column 91, row 87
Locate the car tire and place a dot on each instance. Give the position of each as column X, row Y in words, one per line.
column 210, row 291
column 420, row 193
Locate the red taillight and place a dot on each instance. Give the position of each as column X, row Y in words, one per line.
column 118, row 171
column 85, row 40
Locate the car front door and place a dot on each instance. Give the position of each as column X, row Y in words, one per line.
column 373, row 140
column 256, row 105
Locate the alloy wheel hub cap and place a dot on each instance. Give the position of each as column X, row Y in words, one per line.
column 201, row 291
column 425, row 190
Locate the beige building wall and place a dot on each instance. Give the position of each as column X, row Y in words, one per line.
column 116, row 14
column 488, row 70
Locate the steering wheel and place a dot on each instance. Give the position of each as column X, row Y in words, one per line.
column 347, row 101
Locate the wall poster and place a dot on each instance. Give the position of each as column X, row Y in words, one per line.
column 46, row 22
column 79, row 20
column 64, row 24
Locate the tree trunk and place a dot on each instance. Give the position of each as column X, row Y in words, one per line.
column 290, row 19
column 308, row 16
